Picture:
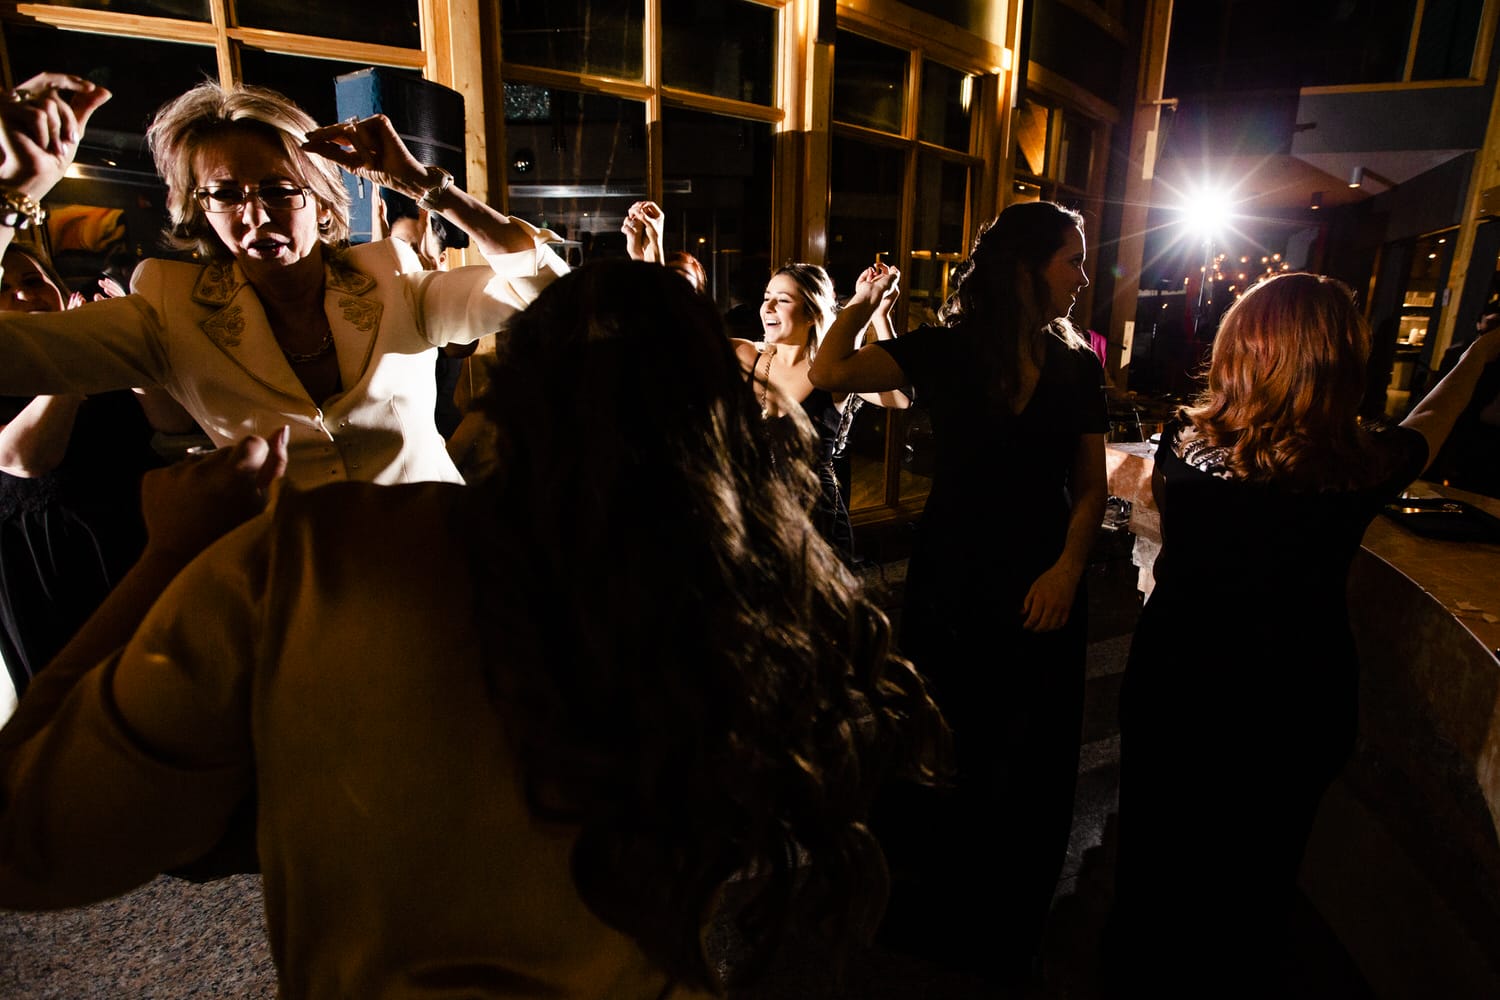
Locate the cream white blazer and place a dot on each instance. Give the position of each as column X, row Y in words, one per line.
column 199, row 331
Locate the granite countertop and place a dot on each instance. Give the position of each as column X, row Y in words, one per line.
column 1463, row 576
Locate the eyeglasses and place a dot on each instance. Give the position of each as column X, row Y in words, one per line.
column 275, row 196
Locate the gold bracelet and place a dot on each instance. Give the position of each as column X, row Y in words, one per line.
column 22, row 211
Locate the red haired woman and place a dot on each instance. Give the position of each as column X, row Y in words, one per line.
column 1240, row 699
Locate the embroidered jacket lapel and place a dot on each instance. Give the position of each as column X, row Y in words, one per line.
column 353, row 316
column 238, row 324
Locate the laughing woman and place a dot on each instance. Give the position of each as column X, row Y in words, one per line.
column 282, row 325
column 799, row 305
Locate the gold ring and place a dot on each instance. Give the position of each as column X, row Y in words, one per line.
column 20, row 95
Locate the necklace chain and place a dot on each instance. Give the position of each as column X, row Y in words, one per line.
column 765, row 406
column 321, row 351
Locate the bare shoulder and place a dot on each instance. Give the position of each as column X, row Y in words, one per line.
column 746, row 350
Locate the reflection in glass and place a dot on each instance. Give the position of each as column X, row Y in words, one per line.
column 869, row 83
column 717, row 178
column 577, row 36
column 937, row 238
column 575, row 163
column 183, row 10
column 947, row 96
column 1031, row 138
column 722, row 47
column 379, row 22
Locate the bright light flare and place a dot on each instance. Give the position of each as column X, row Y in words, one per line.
column 1206, row 214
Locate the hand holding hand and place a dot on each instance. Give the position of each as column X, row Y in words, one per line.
column 190, row 505
column 370, row 148
column 643, row 227
column 41, row 124
column 879, row 283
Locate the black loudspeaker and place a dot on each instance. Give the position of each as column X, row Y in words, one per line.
column 428, row 116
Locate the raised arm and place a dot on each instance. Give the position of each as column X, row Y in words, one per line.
column 880, row 328
column 1439, row 410
column 841, row 367
column 41, row 123
column 370, row 148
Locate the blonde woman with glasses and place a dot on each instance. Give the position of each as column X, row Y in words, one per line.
column 279, row 322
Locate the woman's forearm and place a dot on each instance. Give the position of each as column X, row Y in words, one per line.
column 1439, row 410
column 36, row 441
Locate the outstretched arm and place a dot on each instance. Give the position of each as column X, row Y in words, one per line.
column 839, row 366
column 371, row 149
column 1439, row 410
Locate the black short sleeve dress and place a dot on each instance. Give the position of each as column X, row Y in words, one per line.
column 996, row 519
column 1240, row 699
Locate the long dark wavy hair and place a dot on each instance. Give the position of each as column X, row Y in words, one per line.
column 999, row 292
column 690, row 674
column 1285, row 383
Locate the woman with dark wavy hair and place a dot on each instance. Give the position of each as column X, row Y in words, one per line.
column 995, row 607
column 664, row 678
column 1241, row 694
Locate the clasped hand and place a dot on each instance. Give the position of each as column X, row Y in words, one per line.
column 191, row 504
column 41, row 124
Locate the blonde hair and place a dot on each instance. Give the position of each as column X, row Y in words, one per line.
column 209, row 111
column 1285, row 384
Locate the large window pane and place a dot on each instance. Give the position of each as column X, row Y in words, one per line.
column 579, row 36
column 722, row 47
column 1075, row 151
column 576, row 162
column 937, row 248
column 947, row 96
column 1445, row 48
column 864, row 208
column 380, row 22
column 863, row 226
column 185, row 10
column 717, row 178
column 869, row 83
column 937, row 237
